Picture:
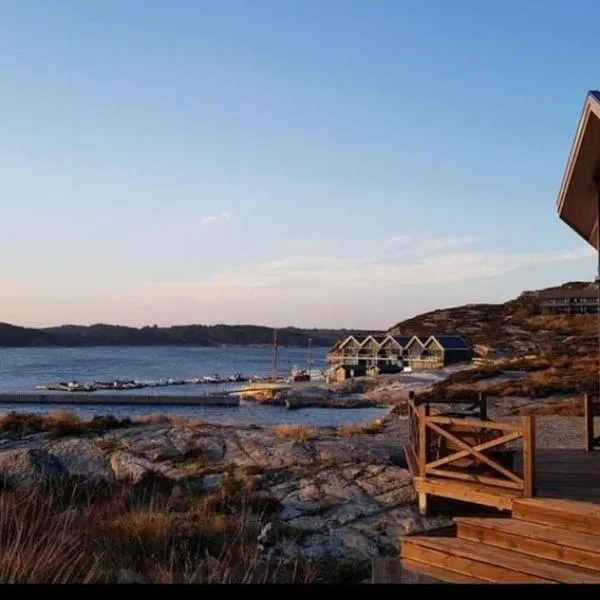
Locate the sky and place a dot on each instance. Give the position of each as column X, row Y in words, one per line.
column 337, row 163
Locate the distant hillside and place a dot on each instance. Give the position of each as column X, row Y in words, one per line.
column 513, row 326
column 557, row 354
column 182, row 335
column 11, row 335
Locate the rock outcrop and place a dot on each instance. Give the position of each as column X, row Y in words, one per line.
column 337, row 497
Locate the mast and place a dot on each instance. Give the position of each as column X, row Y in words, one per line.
column 309, row 357
column 274, row 368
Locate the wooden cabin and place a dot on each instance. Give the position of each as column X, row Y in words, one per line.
column 578, row 200
column 415, row 347
column 348, row 351
column 448, row 349
column 392, row 349
column 383, row 369
column 344, row 372
column 368, row 353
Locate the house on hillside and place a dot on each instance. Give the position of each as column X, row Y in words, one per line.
column 437, row 351
column 568, row 302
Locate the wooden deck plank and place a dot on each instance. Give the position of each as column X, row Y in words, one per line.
column 414, row 549
column 466, row 491
column 583, row 517
column 543, row 541
column 506, row 564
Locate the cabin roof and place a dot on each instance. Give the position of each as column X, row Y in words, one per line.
column 418, row 338
column 377, row 338
column 577, row 198
column 558, row 294
column 345, row 341
column 402, row 339
column 451, row 342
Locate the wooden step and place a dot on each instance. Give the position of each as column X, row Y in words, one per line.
column 467, row 491
column 490, row 564
column 565, row 514
column 391, row 569
column 543, row 541
column 415, row 572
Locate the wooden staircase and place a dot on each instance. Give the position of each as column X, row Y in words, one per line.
column 545, row 541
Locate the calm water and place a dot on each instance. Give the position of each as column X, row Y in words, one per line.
column 21, row 369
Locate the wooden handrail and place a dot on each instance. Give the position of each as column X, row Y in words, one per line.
column 425, row 428
column 476, row 423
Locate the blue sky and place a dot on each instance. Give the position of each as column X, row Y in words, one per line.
column 285, row 162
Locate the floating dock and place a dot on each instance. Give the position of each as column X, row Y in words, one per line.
column 81, row 398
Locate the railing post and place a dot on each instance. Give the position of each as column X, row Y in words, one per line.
column 483, row 406
column 588, row 412
column 528, row 456
column 423, row 411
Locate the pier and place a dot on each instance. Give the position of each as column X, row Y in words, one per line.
column 83, row 398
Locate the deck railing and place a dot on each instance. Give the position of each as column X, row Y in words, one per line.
column 470, row 449
column 589, row 403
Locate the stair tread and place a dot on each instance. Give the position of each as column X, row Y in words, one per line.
column 577, row 508
column 546, row 533
column 507, row 559
column 435, row 572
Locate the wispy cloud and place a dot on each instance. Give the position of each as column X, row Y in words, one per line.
column 335, row 275
column 431, row 244
column 211, row 219
column 396, row 240
column 443, row 243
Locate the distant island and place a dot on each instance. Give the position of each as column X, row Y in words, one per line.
column 179, row 335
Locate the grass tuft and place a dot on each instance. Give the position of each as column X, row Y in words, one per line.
column 301, row 433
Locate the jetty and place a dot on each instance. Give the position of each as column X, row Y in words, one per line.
column 134, row 384
column 122, row 399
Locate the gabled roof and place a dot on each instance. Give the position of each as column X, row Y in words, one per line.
column 401, row 339
column 451, row 342
column 418, row 339
column 378, row 339
column 577, row 198
column 349, row 339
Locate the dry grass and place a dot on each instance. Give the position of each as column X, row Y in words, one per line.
column 357, row 429
column 57, row 423
column 72, row 535
column 301, row 433
column 65, row 422
column 175, row 421
column 569, row 408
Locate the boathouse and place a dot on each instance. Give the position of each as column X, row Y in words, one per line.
column 417, row 352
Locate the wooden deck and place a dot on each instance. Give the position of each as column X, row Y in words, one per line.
column 548, row 530
column 567, row 474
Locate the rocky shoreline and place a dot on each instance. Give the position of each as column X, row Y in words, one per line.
column 323, row 494
column 340, row 493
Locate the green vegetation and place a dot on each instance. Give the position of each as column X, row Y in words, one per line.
column 181, row 335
